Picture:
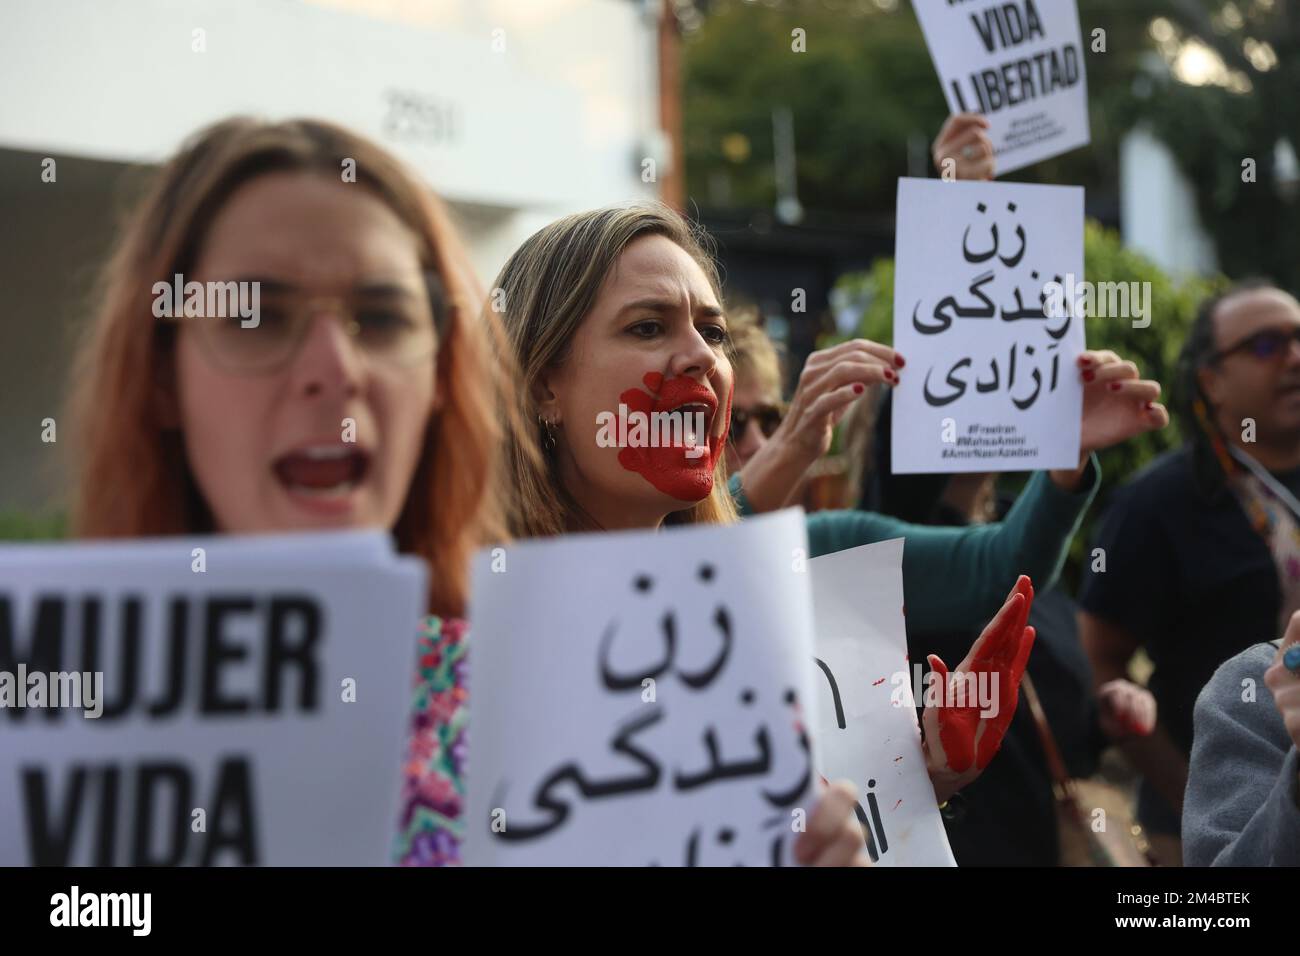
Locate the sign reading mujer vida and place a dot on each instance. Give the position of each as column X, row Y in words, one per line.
column 198, row 701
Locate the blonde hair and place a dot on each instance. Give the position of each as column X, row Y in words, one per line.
column 549, row 286
column 755, row 355
column 133, row 477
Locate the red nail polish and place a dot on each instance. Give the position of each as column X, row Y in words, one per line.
column 858, row 388
column 899, row 361
column 1089, row 375
column 1084, row 360
column 1115, row 386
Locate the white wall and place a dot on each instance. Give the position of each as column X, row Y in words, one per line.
column 1158, row 208
column 539, row 107
column 554, row 122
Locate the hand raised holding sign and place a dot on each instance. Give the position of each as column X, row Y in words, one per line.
column 832, row 379
column 964, row 733
column 964, row 141
column 1117, row 405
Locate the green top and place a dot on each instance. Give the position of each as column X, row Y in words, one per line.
column 958, row 577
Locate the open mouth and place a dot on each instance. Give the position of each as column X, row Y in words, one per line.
column 692, row 421
column 322, row 471
column 688, row 408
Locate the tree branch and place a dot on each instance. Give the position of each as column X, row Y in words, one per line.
column 1194, row 19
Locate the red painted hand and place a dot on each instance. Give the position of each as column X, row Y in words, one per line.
column 964, row 732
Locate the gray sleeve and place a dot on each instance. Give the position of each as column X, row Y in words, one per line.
column 1242, row 806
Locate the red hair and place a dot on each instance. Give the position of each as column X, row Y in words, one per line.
column 133, row 478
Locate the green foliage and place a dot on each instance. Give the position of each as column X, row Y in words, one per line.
column 861, row 89
column 1255, row 225
column 1213, row 130
column 862, row 94
column 20, row 526
column 1154, row 349
column 865, row 92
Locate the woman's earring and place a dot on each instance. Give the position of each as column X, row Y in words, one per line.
column 548, row 434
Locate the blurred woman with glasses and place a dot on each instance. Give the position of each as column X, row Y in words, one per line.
column 362, row 393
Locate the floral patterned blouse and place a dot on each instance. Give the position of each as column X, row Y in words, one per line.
column 433, row 785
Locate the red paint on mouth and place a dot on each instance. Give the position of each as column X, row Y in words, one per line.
column 671, row 470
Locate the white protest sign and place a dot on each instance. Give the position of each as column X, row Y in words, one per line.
column 344, row 547
column 254, row 713
column 1021, row 64
column 640, row 698
column 992, row 381
column 866, row 727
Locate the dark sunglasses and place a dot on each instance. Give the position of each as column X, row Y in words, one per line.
column 768, row 418
column 1267, row 344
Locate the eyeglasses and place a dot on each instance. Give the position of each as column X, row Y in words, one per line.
column 389, row 323
column 1264, row 345
column 769, row 419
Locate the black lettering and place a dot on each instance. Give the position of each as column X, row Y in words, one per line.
column 1071, row 65
column 992, row 91
column 44, row 648
column 1033, row 23
column 875, row 817
column 148, row 779
column 961, row 100
column 106, row 844
column 178, row 634
column 296, row 650
column 1009, row 84
column 1014, row 26
column 129, row 661
column 51, row 845
column 1011, row 26
column 1040, row 59
column 234, row 793
column 1058, row 80
column 216, row 652
column 986, row 30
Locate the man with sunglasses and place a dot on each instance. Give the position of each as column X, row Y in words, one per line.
column 1200, row 553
